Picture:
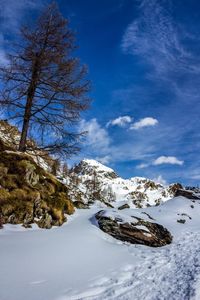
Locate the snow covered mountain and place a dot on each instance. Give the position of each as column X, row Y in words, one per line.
column 91, row 181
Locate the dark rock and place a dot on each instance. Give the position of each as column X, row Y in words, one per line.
column 28, row 219
column 155, row 234
column 80, row 205
column 182, row 221
column 107, row 203
column 187, row 194
column 148, row 215
column 12, row 219
column 46, row 221
column 37, row 206
column 174, row 187
column 124, row 206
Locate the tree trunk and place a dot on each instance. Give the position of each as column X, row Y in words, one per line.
column 29, row 102
column 22, row 144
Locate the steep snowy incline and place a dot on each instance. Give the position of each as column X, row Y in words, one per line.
column 79, row 261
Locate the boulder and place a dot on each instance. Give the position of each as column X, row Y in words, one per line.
column 124, row 206
column 139, row 232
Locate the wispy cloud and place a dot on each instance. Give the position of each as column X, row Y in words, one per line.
column 172, row 160
column 158, row 39
column 142, row 166
column 145, row 122
column 120, row 121
column 12, row 12
column 11, row 15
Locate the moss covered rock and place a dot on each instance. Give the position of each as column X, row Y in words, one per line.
column 30, row 194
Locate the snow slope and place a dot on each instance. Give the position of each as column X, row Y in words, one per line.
column 79, row 261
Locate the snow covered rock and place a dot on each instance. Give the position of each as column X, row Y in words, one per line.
column 133, row 229
column 91, row 167
column 190, row 194
column 123, row 206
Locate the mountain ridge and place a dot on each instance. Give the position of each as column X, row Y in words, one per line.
column 93, row 181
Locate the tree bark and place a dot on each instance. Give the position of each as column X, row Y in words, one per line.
column 27, row 113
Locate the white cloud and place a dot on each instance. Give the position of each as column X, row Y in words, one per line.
column 145, row 122
column 142, row 166
column 120, row 121
column 167, row 160
column 104, row 160
column 161, row 160
column 160, row 179
column 97, row 137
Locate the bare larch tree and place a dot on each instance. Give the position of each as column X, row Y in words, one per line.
column 44, row 87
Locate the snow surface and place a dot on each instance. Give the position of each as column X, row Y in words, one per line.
column 79, row 261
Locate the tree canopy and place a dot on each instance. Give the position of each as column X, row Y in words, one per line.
column 44, row 88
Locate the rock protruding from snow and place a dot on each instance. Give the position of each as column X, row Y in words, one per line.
column 134, row 230
column 90, row 181
column 190, row 194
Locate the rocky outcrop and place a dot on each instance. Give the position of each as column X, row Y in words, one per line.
column 174, row 187
column 124, row 206
column 139, row 232
column 29, row 194
column 190, row 194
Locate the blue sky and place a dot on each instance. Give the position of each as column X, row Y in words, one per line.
column 144, row 64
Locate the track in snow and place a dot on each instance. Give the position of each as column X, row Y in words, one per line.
column 167, row 273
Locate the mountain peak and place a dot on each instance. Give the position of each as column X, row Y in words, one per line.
column 92, row 167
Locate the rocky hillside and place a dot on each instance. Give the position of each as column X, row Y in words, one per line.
column 91, row 181
column 29, row 193
column 9, row 140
